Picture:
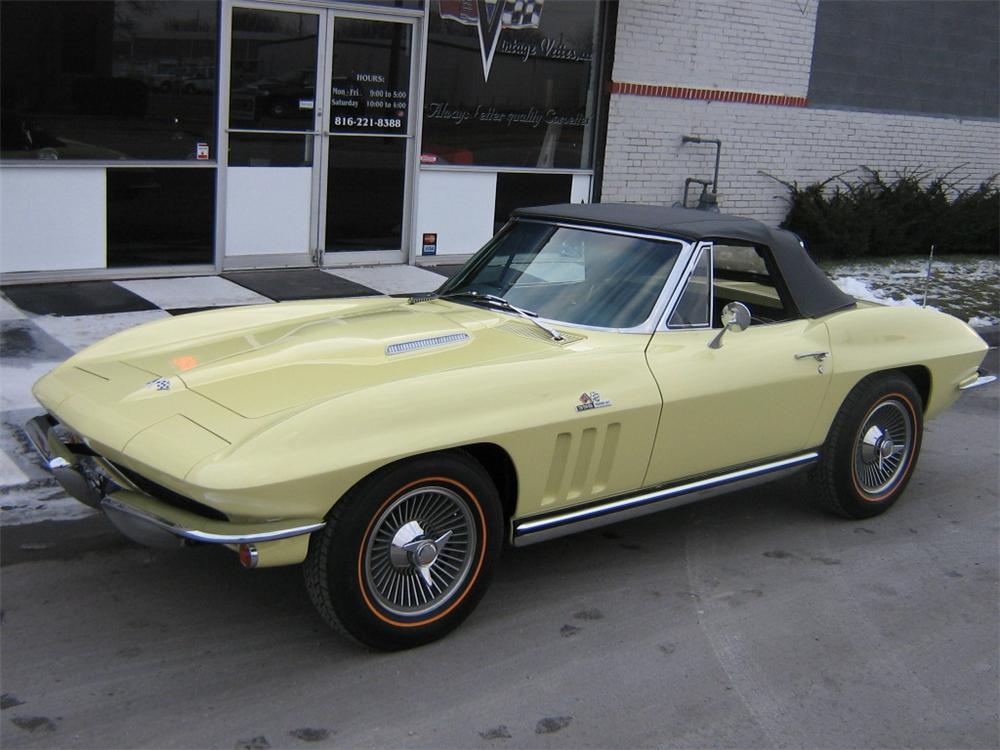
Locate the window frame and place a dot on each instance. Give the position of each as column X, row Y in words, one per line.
column 766, row 255
column 701, row 250
column 774, row 273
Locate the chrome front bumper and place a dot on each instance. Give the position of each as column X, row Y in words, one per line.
column 140, row 516
column 62, row 459
column 981, row 378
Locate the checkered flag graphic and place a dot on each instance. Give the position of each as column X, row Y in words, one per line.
column 521, row 14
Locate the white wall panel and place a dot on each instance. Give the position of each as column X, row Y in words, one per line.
column 580, row 191
column 267, row 210
column 458, row 207
column 52, row 219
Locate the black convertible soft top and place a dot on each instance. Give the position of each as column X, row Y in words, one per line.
column 812, row 292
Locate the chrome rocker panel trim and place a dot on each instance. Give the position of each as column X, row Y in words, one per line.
column 561, row 523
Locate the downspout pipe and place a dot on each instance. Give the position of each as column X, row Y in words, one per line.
column 718, row 152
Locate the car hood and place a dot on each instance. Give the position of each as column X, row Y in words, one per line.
column 266, row 360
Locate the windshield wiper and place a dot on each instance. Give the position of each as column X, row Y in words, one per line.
column 491, row 299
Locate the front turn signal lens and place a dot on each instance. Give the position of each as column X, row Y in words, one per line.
column 248, row 556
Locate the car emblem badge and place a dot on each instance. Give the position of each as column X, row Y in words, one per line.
column 160, row 384
column 591, row 400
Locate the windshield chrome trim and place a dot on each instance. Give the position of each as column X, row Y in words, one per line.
column 604, row 230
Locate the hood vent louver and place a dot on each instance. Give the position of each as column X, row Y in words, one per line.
column 406, row 347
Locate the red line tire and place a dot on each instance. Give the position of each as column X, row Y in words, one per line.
column 407, row 554
column 872, row 447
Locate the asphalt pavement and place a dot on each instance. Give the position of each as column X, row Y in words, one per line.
column 749, row 620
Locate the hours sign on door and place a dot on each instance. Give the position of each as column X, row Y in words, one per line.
column 370, row 91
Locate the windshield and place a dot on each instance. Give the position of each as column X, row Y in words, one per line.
column 572, row 275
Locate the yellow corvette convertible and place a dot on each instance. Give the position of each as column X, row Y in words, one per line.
column 591, row 363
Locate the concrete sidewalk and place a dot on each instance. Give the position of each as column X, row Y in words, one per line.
column 43, row 324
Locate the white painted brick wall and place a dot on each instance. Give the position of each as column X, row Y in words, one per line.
column 646, row 163
column 702, row 44
column 746, row 45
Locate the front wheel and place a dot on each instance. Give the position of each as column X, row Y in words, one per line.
column 407, row 554
column 872, row 447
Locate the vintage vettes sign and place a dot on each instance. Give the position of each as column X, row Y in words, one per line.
column 490, row 17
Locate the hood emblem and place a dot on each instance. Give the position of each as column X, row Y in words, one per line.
column 160, row 384
column 591, row 400
column 412, row 346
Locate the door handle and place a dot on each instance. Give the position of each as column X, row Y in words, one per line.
column 818, row 356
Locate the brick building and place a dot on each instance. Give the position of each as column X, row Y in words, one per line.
column 801, row 90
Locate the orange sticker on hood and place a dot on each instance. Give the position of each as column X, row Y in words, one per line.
column 184, row 363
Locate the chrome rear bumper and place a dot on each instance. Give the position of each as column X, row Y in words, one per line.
column 138, row 515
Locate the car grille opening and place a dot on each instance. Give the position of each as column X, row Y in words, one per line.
column 170, row 497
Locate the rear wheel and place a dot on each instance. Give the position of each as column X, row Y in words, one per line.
column 872, row 447
column 407, row 554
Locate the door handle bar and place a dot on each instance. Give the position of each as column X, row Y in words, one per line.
column 818, row 356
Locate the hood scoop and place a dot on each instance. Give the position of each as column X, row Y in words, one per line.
column 405, row 347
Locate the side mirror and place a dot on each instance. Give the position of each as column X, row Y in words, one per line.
column 735, row 317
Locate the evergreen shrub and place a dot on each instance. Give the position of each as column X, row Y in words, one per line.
column 870, row 216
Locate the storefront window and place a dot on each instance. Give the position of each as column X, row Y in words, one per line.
column 515, row 89
column 108, row 80
column 273, row 70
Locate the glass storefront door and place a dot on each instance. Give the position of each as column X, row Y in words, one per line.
column 319, row 137
column 367, row 138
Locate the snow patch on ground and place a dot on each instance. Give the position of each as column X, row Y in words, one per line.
column 40, row 502
column 966, row 287
column 863, row 291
